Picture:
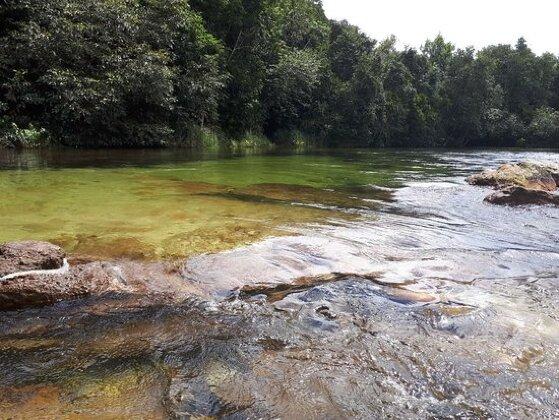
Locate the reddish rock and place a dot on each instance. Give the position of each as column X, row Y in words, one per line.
column 151, row 282
column 518, row 196
column 26, row 256
column 45, row 289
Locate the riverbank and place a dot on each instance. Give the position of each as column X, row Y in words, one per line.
column 198, row 140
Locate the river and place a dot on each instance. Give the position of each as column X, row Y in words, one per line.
column 413, row 298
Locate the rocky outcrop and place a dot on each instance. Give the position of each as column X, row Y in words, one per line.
column 517, row 196
column 28, row 256
column 528, row 175
column 30, row 278
column 44, row 289
column 521, row 184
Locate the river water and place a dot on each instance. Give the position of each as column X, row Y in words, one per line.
column 409, row 296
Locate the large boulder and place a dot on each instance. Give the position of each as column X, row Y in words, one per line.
column 519, row 184
column 527, row 175
column 518, row 196
column 27, row 256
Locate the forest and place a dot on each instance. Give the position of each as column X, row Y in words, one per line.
column 200, row 73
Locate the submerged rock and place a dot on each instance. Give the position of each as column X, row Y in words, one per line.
column 526, row 174
column 27, row 256
column 518, row 196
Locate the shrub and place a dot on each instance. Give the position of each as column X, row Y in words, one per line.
column 12, row 136
column 251, row 141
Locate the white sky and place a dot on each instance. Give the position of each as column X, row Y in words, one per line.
column 463, row 22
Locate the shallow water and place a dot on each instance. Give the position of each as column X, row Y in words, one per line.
column 171, row 208
column 415, row 299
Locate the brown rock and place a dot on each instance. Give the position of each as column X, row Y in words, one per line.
column 528, row 175
column 26, row 256
column 147, row 283
column 518, row 196
column 45, row 289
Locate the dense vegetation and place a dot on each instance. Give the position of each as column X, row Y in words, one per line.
column 161, row 72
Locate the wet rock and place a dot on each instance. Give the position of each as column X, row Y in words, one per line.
column 276, row 292
column 348, row 198
column 526, row 174
column 518, row 196
column 43, row 289
column 521, row 184
column 132, row 393
column 410, row 297
column 26, row 256
column 153, row 283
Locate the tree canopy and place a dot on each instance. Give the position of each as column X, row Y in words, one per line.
column 137, row 73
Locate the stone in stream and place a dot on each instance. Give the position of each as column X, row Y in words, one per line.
column 29, row 255
column 529, row 175
column 521, row 184
column 45, row 289
column 113, row 395
column 28, row 282
column 518, row 196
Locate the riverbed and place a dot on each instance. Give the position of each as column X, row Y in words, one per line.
column 408, row 296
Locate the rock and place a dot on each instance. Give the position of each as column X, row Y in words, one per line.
column 27, row 256
column 131, row 393
column 326, row 312
column 518, row 196
column 527, row 175
column 521, row 184
column 150, row 283
column 42, row 289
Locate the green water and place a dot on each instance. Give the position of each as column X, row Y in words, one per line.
column 168, row 207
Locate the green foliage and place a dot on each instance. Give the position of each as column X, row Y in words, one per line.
column 292, row 86
column 201, row 138
column 12, row 136
column 347, row 46
column 109, row 73
column 198, row 73
column 544, row 129
column 250, row 141
column 295, row 139
column 503, row 128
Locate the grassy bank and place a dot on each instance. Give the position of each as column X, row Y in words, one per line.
column 196, row 138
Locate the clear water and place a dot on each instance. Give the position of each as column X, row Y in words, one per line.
column 440, row 305
column 143, row 206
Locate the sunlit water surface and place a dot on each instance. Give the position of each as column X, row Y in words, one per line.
column 437, row 304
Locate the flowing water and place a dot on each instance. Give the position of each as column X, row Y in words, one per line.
column 380, row 285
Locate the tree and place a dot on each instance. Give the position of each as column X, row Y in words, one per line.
column 139, row 73
column 467, row 96
column 347, row 47
column 106, row 73
column 544, row 129
column 292, row 86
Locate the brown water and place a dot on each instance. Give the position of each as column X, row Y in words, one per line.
column 415, row 299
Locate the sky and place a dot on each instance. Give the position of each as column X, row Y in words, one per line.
column 476, row 23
